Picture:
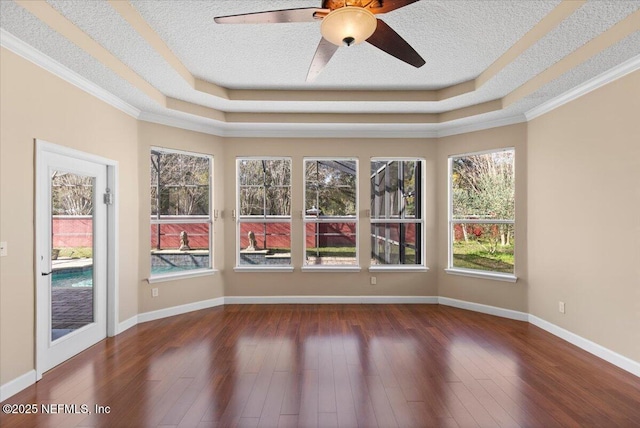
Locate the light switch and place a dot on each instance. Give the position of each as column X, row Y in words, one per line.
column 3, row 248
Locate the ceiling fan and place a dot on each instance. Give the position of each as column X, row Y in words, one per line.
column 344, row 23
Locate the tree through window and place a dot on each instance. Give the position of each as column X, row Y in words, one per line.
column 482, row 211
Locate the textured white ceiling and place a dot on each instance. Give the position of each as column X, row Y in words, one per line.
column 458, row 39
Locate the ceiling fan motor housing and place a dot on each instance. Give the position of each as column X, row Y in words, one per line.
column 348, row 41
column 337, row 4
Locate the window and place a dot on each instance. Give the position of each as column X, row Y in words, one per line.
column 264, row 212
column 396, row 212
column 180, row 212
column 330, row 219
column 482, row 212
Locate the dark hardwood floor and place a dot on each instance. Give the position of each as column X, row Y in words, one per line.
column 334, row 365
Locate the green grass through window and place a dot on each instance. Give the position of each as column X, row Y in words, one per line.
column 474, row 254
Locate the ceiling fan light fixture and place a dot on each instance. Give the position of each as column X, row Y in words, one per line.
column 348, row 25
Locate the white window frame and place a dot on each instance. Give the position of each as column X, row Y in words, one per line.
column 508, row 277
column 306, row 219
column 405, row 267
column 205, row 219
column 259, row 219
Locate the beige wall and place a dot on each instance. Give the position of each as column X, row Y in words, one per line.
column 584, row 216
column 177, row 292
column 325, row 283
column 485, row 291
column 577, row 205
column 36, row 104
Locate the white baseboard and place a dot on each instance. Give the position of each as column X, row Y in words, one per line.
column 600, row 351
column 12, row 387
column 485, row 309
column 273, row 300
column 127, row 324
column 178, row 310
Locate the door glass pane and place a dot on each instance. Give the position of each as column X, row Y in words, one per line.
column 72, row 293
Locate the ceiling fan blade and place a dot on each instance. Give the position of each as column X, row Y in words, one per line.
column 306, row 14
column 323, row 54
column 386, row 39
column 384, row 6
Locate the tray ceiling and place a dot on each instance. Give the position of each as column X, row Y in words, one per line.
column 485, row 60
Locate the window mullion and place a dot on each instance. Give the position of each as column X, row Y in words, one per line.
column 482, row 221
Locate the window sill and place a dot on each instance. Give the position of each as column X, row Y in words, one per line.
column 182, row 275
column 485, row 275
column 331, row 269
column 398, row 268
column 263, row 269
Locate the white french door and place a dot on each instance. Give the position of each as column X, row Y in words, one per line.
column 71, row 260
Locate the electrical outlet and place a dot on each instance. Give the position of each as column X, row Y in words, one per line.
column 561, row 307
column 374, row 280
column 154, row 292
column 3, row 249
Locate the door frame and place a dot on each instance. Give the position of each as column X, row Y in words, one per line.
column 42, row 210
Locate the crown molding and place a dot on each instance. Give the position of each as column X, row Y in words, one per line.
column 331, row 130
column 190, row 125
column 308, row 130
column 328, row 130
column 28, row 52
column 245, row 130
column 296, row 130
column 603, row 79
column 448, row 130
